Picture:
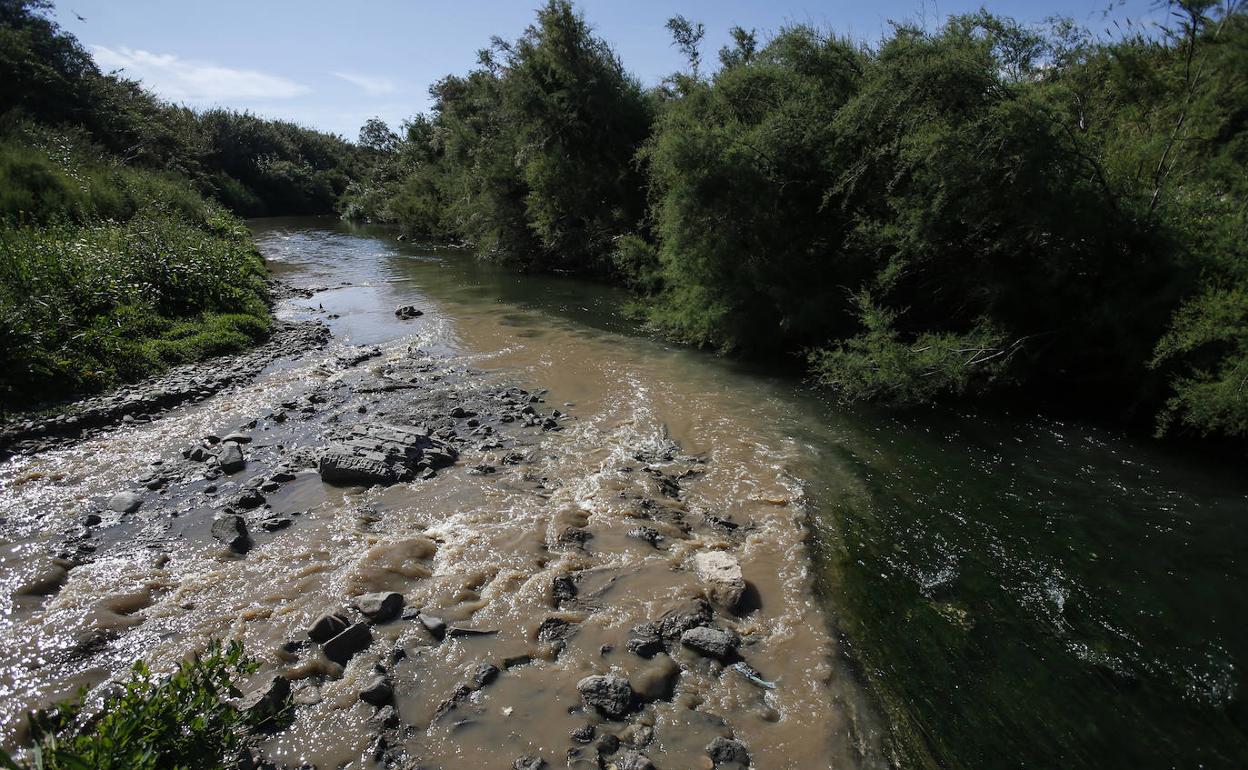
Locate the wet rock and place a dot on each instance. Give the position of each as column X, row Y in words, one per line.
column 553, row 629
column 230, row 458
column 355, row 356
column 328, row 626
column 249, row 499
column 124, row 502
column 728, row 753
column 381, row 606
column 648, row 534
column 528, row 763
column 383, row 454
column 387, row 717
column 656, row 680
column 406, row 312
column 644, row 640
column 231, row 530
column 583, row 734
column 607, row 744
column 345, row 645
column 237, row 438
column 266, row 700
column 434, row 625
column 563, row 589
column 91, row 519
column 721, row 573
column 378, row 692
column 711, row 642
column 679, row 620
column 633, row 760
column 484, row 675
column 609, row 694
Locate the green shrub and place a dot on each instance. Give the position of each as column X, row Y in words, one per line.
column 182, row 723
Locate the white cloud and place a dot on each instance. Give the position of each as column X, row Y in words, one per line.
column 183, row 80
column 371, row 84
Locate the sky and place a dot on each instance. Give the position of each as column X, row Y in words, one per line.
column 331, row 66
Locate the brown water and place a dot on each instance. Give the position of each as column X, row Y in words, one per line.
column 476, row 549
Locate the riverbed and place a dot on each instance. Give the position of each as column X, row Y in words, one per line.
column 940, row 588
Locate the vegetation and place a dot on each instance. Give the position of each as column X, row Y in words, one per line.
column 974, row 211
column 183, row 723
column 118, row 258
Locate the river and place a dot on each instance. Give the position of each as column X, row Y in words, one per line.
column 940, row 588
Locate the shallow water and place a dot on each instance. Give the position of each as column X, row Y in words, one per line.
column 944, row 588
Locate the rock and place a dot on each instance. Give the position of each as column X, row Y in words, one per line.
column 377, row 692
column 726, row 752
column 610, row 694
column 553, row 629
column 266, row 700
column 721, row 573
column 711, row 642
column 388, row 717
column 408, row 311
column 583, row 734
column 644, row 640
column 607, row 744
column 231, row 530
column 230, row 458
column 355, row 356
column 563, row 589
column 649, row 534
column 528, row 763
column 124, row 502
column 249, row 499
column 656, row 680
column 237, row 438
column 345, row 645
column 91, row 519
column 679, row 620
column 381, row 606
column 633, row 760
column 484, row 675
column 375, row 453
column 328, row 626
column 435, row 626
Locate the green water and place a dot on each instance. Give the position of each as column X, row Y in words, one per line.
column 1016, row 591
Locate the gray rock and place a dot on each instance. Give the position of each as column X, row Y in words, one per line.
column 408, row 311
column 711, row 642
column 124, row 502
column 381, row 606
column 230, row 458
column 378, row 692
column 375, row 453
column 726, row 752
column 266, row 700
column 345, row 645
column 633, row 760
column 231, row 530
column 644, row 640
column 528, row 763
column 485, row 674
column 328, row 626
column 679, row 620
column 434, row 625
column 721, row 573
column 610, row 694
column 238, row 438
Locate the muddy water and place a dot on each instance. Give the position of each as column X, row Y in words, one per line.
column 653, row 435
column 1013, row 592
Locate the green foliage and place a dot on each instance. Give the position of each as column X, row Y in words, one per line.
column 182, row 723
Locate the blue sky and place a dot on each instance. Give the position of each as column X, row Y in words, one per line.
column 332, row 65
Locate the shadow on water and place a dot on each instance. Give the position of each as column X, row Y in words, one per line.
column 1018, row 592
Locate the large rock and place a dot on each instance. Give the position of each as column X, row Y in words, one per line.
column 383, row 454
column 231, row 529
column 378, row 692
column 721, row 573
column 328, row 626
column 711, row 642
column 345, row 645
column 124, row 502
column 267, row 699
column 633, row 760
column 728, row 753
column 676, row 621
column 230, row 458
column 609, row 694
column 381, row 606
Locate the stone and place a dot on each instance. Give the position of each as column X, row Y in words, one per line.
column 231, row 530
column 266, row 700
column 633, row 760
column 230, row 458
column 434, row 625
column 124, row 502
column 328, row 626
column 648, row 534
column 721, row 573
column 644, row 640
column 583, row 734
column 344, row 646
column 656, row 680
column 528, row 762
column 408, row 311
column 563, row 589
column 607, row 743
column 381, row 606
column 484, row 675
column 378, row 692
column 249, row 499
column 726, row 752
column 553, row 629
column 711, row 642
column 679, row 620
column 609, row 694
column 237, row 438
column 376, row 453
